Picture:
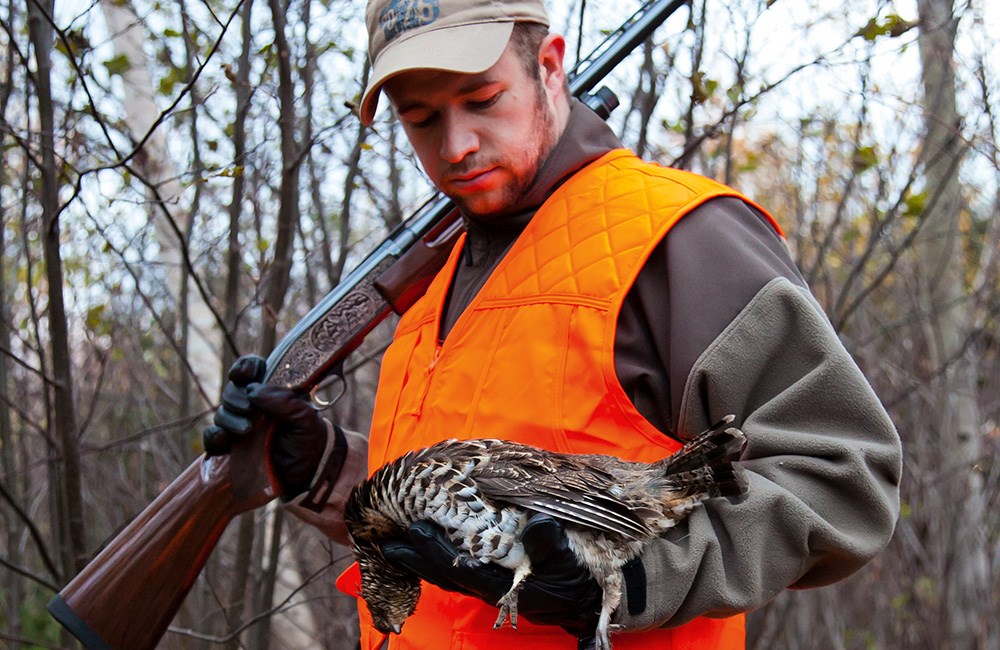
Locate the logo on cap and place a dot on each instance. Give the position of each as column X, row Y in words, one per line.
column 403, row 15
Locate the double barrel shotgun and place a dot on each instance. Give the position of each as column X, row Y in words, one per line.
column 125, row 597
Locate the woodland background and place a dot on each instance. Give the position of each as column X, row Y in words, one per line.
column 180, row 181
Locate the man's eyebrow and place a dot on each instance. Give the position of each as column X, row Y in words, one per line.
column 471, row 86
column 475, row 84
column 406, row 107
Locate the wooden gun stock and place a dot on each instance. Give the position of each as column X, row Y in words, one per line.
column 126, row 597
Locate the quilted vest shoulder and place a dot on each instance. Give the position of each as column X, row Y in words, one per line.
column 589, row 235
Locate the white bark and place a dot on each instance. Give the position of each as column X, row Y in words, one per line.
column 157, row 167
column 950, row 322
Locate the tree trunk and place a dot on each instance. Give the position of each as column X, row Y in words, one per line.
column 943, row 266
column 324, row 246
column 353, row 172
column 234, row 603
column 188, row 299
column 8, row 461
column 291, row 161
column 279, row 276
column 648, row 90
column 392, row 215
column 71, row 536
column 234, row 253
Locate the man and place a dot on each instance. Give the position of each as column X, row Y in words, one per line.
column 598, row 304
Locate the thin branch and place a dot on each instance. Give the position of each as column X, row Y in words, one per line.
column 88, row 417
column 283, row 606
column 36, row 536
column 846, row 313
column 974, row 337
column 148, row 302
column 34, row 643
column 181, row 95
column 12, row 44
column 181, row 423
column 21, row 141
column 26, row 418
column 711, row 130
column 16, row 358
column 13, row 568
column 833, row 229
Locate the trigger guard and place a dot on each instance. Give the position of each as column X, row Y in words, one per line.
column 318, row 402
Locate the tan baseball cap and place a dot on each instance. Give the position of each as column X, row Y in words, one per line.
column 456, row 35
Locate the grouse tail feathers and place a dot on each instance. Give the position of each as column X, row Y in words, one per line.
column 704, row 464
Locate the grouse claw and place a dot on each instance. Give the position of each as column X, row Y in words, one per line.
column 602, row 638
column 508, row 608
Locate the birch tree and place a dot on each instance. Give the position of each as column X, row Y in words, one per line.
column 943, row 268
column 166, row 207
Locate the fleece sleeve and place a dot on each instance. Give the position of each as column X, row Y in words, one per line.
column 720, row 322
column 330, row 519
column 822, row 464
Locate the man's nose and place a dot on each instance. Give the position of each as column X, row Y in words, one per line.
column 458, row 138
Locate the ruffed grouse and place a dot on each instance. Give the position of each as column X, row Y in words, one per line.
column 482, row 493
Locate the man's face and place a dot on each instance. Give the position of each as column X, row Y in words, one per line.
column 481, row 138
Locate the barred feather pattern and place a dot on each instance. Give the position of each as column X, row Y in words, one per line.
column 482, row 492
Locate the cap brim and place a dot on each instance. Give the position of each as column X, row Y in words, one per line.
column 466, row 49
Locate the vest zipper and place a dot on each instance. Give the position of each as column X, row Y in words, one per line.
column 427, row 381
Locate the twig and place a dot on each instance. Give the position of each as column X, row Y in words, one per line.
column 36, row 536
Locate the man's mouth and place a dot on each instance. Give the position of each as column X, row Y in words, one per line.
column 473, row 180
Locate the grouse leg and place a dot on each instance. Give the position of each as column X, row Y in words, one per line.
column 508, row 603
column 611, row 583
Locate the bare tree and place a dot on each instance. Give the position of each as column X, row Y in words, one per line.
column 66, row 453
column 8, row 462
column 292, row 157
column 942, row 268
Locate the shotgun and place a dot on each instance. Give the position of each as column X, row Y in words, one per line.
column 125, row 598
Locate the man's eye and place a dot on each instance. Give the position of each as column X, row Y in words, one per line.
column 420, row 122
column 485, row 103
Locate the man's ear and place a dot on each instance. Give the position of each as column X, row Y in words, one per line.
column 550, row 64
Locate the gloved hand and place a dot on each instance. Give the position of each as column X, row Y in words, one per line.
column 559, row 591
column 302, row 456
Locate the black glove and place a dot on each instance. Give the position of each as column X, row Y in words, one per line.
column 299, row 444
column 559, row 590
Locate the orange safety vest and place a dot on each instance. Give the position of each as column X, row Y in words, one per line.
column 532, row 359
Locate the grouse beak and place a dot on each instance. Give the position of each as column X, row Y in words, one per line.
column 397, row 628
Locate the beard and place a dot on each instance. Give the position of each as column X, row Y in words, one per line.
column 521, row 166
